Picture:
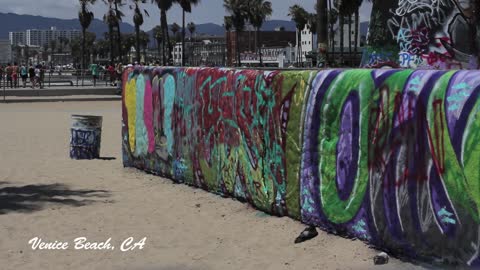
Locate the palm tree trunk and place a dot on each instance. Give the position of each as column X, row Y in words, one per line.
column 331, row 32
column 350, row 38
column 260, row 47
column 145, row 58
column 137, row 40
column 167, row 34
column 158, row 48
column 112, row 55
column 298, row 47
column 162, row 26
column 239, row 61
column 300, row 53
column 357, row 22
column 119, row 37
column 322, row 30
column 341, row 39
column 183, row 39
column 83, row 49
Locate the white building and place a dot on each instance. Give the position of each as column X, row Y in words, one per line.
column 5, row 52
column 177, row 54
column 271, row 56
column 309, row 42
column 36, row 37
column 346, row 35
column 17, row 38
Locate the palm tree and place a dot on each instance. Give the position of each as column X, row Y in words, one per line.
column 322, row 30
column 350, row 36
column 175, row 28
column 357, row 22
column 128, row 41
column 332, row 20
column 158, row 36
column 85, row 16
column 186, row 7
column 475, row 27
column 119, row 15
column 239, row 11
column 312, row 27
column 191, row 28
column 138, row 21
column 45, row 49
column 112, row 18
column 164, row 6
column 53, row 47
column 300, row 17
column 345, row 9
column 144, row 41
column 259, row 11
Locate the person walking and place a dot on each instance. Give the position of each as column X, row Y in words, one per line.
column 111, row 72
column 42, row 76
column 2, row 78
column 119, row 82
column 9, row 73
column 24, row 75
column 37, row 76
column 31, row 74
column 15, row 71
column 95, row 72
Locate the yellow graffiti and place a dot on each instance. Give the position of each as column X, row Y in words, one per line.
column 130, row 104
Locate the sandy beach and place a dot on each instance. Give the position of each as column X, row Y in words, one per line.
column 44, row 194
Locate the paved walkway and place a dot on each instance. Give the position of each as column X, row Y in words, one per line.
column 59, row 91
column 30, row 99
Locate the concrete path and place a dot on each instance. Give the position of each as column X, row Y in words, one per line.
column 65, row 98
column 59, row 91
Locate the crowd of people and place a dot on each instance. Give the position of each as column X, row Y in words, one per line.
column 17, row 76
column 11, row 75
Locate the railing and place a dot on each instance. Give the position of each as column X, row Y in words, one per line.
column 51, row 79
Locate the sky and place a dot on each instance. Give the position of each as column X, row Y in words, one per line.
column 209, row 11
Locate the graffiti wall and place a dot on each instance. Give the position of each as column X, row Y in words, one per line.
column 433, row 34
column 387, row 156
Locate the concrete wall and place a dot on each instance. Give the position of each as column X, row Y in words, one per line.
column 387, row 156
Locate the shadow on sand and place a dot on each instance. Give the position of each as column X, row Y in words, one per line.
column 30, row 198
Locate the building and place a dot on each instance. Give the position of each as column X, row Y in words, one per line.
column 177, row 54
column 247, row 42
column 207, row 53
column 17, row 38
column 204, row 51
column 347, row 35
column 271, row 57
column 5, row 51
column 36, row 37
column 308, row 42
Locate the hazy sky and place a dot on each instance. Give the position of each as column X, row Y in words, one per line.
column 207, row 11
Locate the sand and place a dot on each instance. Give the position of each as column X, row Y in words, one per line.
column 45, row 194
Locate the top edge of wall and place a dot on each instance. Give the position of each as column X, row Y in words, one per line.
column 294, row 69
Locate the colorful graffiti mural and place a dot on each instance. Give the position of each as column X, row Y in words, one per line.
column 387, row 156
column 431, row 34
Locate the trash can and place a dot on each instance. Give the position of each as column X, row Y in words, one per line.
column 86, row 135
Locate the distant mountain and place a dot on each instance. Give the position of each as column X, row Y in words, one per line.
column 14, row 22
column 10, row 22
column 210, row 29
column 271, row 25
